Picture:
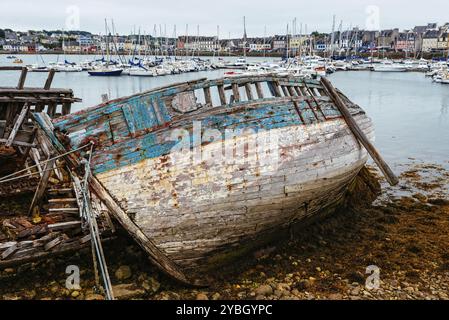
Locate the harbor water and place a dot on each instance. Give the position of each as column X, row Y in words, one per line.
column 410, row 112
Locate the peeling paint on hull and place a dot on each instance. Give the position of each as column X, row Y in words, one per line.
column 194, row 211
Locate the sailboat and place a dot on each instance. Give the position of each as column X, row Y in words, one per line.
column 106, row 70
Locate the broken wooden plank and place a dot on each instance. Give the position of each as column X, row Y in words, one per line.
column 22, row 79
column 62, row 201
column 17, row 125
column 52, row 244
column 7, row 245
column 64, row 210
column 43, row 183
column 64, row 225
column 49, row 80
column 9, row 251
column 19, row 143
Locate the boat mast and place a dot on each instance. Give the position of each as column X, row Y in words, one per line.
column 217, row 46
column 288, row 43
column 245, row 37
column 264, row 41
column 175, row 43
column 332, row 37
column 301, row 39
column 108, row 58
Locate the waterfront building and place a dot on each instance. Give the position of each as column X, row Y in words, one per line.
column 430, row 40
column 443, row 41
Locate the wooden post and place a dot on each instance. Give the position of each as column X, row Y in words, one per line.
column 207, row 95
column 291, row 91
column 298, row 91
column 236, row 92
column 17, row 125
column 276, row 90
column 43, row 183
column 22, row 79
column 221, row 93
column 358, row 133
column 249, row 92
column 51, row 75
column 51, row 109
column 259, row 90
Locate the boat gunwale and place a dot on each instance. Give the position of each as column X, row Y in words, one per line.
column 196, row 85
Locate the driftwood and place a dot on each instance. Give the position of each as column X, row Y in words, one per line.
column 358, row 133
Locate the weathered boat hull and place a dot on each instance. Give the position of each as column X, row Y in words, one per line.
column 194, row 212
column 211, row 197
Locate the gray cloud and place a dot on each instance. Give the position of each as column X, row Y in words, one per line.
column 46, row 14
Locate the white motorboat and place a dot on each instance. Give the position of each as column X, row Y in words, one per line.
column 389, row 66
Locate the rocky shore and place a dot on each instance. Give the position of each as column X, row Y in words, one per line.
column 405, row 234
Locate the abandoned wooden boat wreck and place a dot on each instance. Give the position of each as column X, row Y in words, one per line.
column 167, row 161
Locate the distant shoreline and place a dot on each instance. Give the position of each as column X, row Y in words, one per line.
column 389, row 55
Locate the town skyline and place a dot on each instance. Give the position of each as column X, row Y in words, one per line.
column 426, row 38
column 23, row 15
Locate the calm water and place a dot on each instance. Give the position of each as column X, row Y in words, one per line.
column 411, row 114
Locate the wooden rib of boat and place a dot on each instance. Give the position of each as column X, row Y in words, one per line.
column 158, row 155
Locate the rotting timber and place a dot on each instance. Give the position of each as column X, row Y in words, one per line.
column 51, row 224
column 190, row 215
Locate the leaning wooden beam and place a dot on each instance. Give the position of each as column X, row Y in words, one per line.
column 43, row 183
column 19, row 143
column 358, row 133
column 157, row 257
column 17, row 125
column 49, row 81
column 22, row 79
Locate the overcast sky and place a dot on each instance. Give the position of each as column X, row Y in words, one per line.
column 127, row 14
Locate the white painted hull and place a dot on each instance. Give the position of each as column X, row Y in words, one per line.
column 141, row 73
column 389, row 69
column 193, row 211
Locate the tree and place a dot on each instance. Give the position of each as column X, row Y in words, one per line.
column 2, row 33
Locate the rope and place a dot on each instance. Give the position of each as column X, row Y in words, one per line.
column 44, row 162
column 28, row 175
column 94, row 231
